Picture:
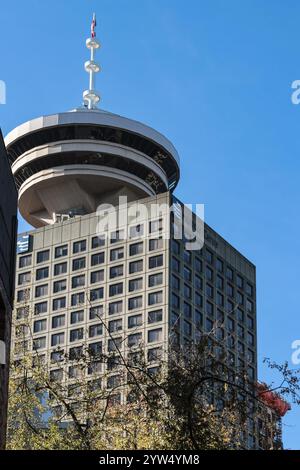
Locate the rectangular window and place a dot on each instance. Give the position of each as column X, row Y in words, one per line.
column 187, row 328
column 114, row 344
column 155, row 316
column 25, row 261
column 115, row 307
column 97, row 276
column 97, row 258
column 154, row 354
column 76, row 335
column 96, row 294
column 39, row 325
column 77, row 299
column 42, row 273
column 135, row 302
column 24, row 278
column 134, row 339
column 98, row 242
column 57, row 339
column 198, row 283
column 136, row 231
column 42, row 256
column 198, row 265
column 209, row 308
column 78, row 281
column 78, row 263
column 249, row 305
column 116, row 289
column 187, row 274
column 77, row 317
column 154, row 335
column 96, row 312
column 135, row 284
column 59, row 303
column 39, row 343
column 187, row 310
column 60, row 268
column 95, row 330
column 175, row 283
column 229, row 273
column 209, row 291
column 116, row 254
column 116, row 271
column 155, row 298
column 156, row 244
column 23, row 295
column 40, row 308
column 115, row 325
column 117, row 236
column 41, row 290
column 135, row 266
column 155, row 280
column 156, row 261
column 58, row 321
column 135, row 321
column 219, row 265
column 136, row 249
column 79, row 246
column 187, row 257
column 239, row 281
column 249, row 289
column 59, row 286
column 209, row 256
column 75, row 353
column 22, row 312
column 155, row 225
column 187, row 291
column 61, row 251
column 175, row 247
column 175, row 301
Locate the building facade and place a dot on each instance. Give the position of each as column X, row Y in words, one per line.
column 8, row 231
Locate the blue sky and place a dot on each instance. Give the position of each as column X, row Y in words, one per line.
column 213, row 76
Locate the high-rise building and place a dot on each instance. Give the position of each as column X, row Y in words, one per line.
column 146, row 286
column 8, row 232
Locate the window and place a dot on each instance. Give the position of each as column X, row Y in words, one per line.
column 59, row 303
column 230, row 324
column 95, row 330
column 187, row 310
column 117, row 236
column 42, row 256
column 155, row 316
column 176, row 247
column 239, row 281
column 198, row 265
column 134, row 340
column 135, row 302
column 155, row 280
column 134, row 321
column 249, row 305
column 77, row 317
column 76, row 335
column 187, row 257
column 187, row 274
column 154, row 354
column 209, row 273
column 249, row 289
column 58, row 321
column 219, row 265
column 61, row 251
column 116, row 254
column 187, row 328
column 113, row 381
column 220, row 283
column 39, row 343
column 95, row 349
column 41, row 290
column 175, row 282
column 250, row 322
column 155, row 298
column 209, row 291
column 22, row 312
column 220, row 299
column 240, row 315
column 175, row 321
column 115, row 307
column 78, row 281
column 155, row 225
column 42, row 273
column 209, row 308
column 209, row 257
column 155, row 335
column 60, row 268
column 80, row 246
column 75, row 353
column 175, row 264
column 208, row 325
column 77, row 299
column 57, row 339
column 59, row 286
column 96, row 294
column 250, row 356
column 198, row 318
column 198, row 283
column 98, row 242
column 57, row 356
column 229, row 290
column 229, row 306
column 97, row 258
column 136, row 249
column 155, row 244
column 198, row 300
column 39, row 325
column 135, row 284
column 175, row 301
column 24, row 278
column 240, row 331
column 23, row 295
column 116, row 271
column 114, row 344
column 115, row 325
column 250, row 339
column 135, row 266
column 116, row 289
column 156, row 261
column 136, row 231
column 40, row 308
column 240, row 298
column 25, row 261
column 96, row 312
column 78, row 263
column 229, row 273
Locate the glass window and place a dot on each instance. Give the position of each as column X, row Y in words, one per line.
column 78, row 281
column 240, row 315
column 249, row 289
column 136, row 231
column 155, row 225
column 39, row 343
column 57, row 339
column 209, row 325
column 135, row 284
column 135, row 266
column 175, row 282
column 77, row 317
column 116, row 271
column 115, row 325
column 60, row 268
column 79, row 246
column 209, row 291
column 155, row 316
column 95, row 330
column 187, row 310
column 97, row 258
column 117, row 236
column 198, row 265
column 198, row 318
column 219, row 265
column 155, row 298
column 198, row 283
column 187, row 257
column 155, row 335
column 77, row 299
column 175, row 247
column 22, row 312
column 135, row 302
column 220, row 283
column 187, row 328
column 96, row 312
column 220, row 299
column 134, row 321
column 198, row 300
column 57, row 356
column 250, row 322
column 154, row 354
column 58, row 321
column 61, row 251
column 59, row 303
column 98, row 242
column 175, row 301
column 59, row 286
column 136, row 249
column 42, row 256
column 134, row 339
column 230, row 324
column 240, row 298
column 23, row 295
column 97, row 276
column 156, row 261
column 116, row 254
column 41, row 290
column 175, row 264
column 229, row 273
column 209, row 256
column 115, row 307
column 116, row 289
column 75, row 353
column 229, row 290
column 95, row 349
column 155, row 280
column 239, row 281
column 156, row 244
column 114, row 344
column 249, row 305
column 25, row 261
column 24, row 278
column 76, row 335
column 39, row 325
column 42, row 273
column 187, row 274
column 209, row 308
column 96, row 294
column 209, row 273
column 40, row 308
column 250, row 339
column 240, row 331
column 78, row 263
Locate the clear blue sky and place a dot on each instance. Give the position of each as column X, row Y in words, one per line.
column 215, row 77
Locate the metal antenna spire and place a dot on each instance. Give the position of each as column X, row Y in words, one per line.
column 90, row 96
